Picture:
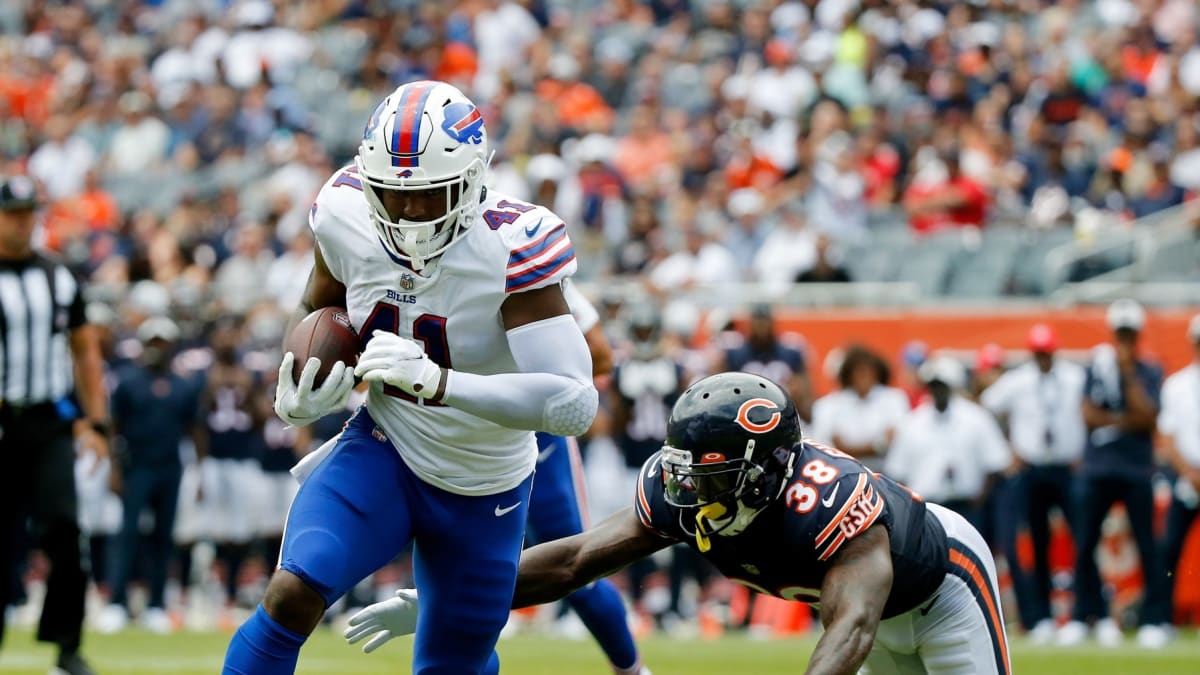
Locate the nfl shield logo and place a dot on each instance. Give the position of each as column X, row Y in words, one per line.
column 407, row 281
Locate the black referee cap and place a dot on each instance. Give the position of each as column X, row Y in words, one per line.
column 17, row 193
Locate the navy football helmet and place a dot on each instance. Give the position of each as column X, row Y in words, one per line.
column 729, row 450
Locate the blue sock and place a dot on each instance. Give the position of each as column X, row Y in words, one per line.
column 263, row 647
column 493, row 665
column 602, row 611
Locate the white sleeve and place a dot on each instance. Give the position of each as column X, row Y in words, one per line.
column 553, row 391
column 581, row 308
column 897, row 461
column 821, row 422
column 998, row 397
column 1168, row 414
column 996, row 453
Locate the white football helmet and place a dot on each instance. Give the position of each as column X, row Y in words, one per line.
column 424, row 135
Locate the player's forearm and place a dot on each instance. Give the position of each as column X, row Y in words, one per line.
column 1140, row 414
column 552, row 390
column 843, row 646
column 553, row 570
column 548, row 572
column 536, row 401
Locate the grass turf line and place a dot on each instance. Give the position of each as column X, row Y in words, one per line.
column 135, row 652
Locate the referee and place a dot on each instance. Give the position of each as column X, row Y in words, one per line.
column 51, row 395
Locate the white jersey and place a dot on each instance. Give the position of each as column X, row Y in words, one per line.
column 453, row 308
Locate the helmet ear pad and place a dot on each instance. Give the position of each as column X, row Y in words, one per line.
column 761, row 487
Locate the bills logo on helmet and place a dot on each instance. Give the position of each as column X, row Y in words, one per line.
column 743, row 416
column 464, row 123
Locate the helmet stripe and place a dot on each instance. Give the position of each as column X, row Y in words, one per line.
column 394, row 147
column 406, row 134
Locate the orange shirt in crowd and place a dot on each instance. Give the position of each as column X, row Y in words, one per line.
column 753, row 171
column 638, row 159
column 27, row 99
column 75, row 217
column 579, row 104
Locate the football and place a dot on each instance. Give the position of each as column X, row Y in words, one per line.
column 326, row 334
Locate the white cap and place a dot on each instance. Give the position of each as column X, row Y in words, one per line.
column 149, row 297
column 158, row 327
column 1125, row 313
column 545, row 167
column 745, row 202
column 944, row 369
column 1194, row 328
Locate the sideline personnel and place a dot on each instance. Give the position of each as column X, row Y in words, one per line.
column 50, row 367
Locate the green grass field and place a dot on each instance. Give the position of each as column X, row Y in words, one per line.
column 136, row 652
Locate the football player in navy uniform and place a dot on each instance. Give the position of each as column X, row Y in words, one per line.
column 902, row 585
column 775, row 357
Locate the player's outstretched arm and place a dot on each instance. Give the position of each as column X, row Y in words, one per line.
column 551, row 571
column 548, row 572
column 852, row 598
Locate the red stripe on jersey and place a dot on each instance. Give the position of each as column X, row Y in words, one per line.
column 542, row 272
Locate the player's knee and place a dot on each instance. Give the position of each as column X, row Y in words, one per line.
column 293, row 603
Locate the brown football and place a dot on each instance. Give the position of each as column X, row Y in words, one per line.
column 326, row 334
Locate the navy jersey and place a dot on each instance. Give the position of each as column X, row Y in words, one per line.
column 232, row 424
column 153, row 412
column 831, row 499
column 278, row 453
column 648, row 389
column 1111, row 451
column 778, row 364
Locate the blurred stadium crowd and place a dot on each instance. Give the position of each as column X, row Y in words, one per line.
column 178, row 146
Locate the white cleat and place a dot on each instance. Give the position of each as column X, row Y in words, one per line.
column 1108, row 633
column 1071, row 634
column 155, row 620
column 112, row 619
column 1153, row 636
column 1043, row 632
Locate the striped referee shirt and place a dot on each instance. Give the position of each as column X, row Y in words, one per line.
column 40, row 303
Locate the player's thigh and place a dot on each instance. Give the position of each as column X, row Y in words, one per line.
column 895, row 649
column 465, row 564
column 958, row 637
column 882, row 661
column 279, row 489
column 351, row 516
column 190, row 523
column 555, row 509
column 963, row 630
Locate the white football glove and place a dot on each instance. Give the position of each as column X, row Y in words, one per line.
column 385, row 620
column 400, row 362
column 298, row 403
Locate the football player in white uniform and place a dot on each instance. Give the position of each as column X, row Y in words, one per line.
column 469, row 347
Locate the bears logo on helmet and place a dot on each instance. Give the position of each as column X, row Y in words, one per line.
column 743, row 416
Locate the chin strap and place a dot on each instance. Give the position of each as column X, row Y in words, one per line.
column 708, row 512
